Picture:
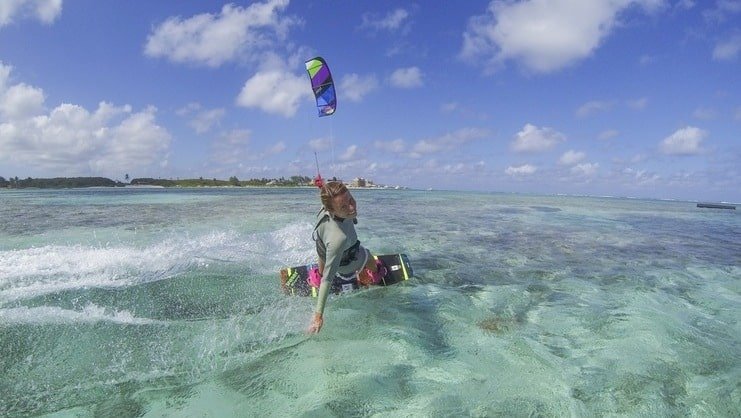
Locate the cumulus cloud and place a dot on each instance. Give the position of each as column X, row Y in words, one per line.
column 571, row 157
column 534, row 139
column 213, row 39
column 45, row 11
column 521, row 170
column 70, row 140
column 21, row 101
column 276, row 92
column 543, row 35
column 728, row 49
column 390, row 22
column 447, row 142
column 685, row 141
column 354, row 87
column 407, row 78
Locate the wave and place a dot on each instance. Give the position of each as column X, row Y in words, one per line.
column 91, row 313
column 32, row 272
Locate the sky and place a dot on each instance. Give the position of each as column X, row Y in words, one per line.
column 630, row 98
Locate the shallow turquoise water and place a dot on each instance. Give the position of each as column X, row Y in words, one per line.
column 165, row 302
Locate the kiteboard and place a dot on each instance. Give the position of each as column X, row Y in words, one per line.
column 294, row 280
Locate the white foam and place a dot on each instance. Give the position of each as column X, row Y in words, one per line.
column 32, row 272
column 91, row 313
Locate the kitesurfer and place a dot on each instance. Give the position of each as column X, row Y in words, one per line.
column 338, row 247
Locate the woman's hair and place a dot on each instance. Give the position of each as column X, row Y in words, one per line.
column 329, row 191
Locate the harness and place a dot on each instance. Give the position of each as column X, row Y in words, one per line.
column 348, row 256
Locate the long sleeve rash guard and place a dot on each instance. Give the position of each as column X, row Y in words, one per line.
column 338, row 235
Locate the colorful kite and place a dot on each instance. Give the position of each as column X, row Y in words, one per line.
column 321, row 82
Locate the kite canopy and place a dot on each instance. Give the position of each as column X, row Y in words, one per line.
column 321, row 82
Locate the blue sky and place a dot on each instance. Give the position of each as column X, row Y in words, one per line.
column 600, row 97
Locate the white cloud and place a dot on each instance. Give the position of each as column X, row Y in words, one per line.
column 448, row 141
column 45, row 11
column 391, row 22
column 425, row 146
column 685, row 141
column 406, row 78
column 571, row 157
column 728, row 49
column 205, row 120
column 213, row 39
column 543, row 35
column 458, row 168
column 137, row 141
column 201, row 120
column 592, row 107
column 521, row 170
column 21, row 102
column 641, row 177
column 70, row 140
column 276, row 92
column 585, row 169
column 354, row 87
column 534, row 139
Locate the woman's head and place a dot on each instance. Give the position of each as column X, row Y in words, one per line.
column 338, row 200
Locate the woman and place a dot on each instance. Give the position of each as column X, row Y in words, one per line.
column 337, row 245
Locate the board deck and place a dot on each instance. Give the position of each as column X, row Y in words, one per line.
column 293, row 280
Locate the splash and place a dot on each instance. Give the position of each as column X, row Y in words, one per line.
column 91, row 313
column 33, row 272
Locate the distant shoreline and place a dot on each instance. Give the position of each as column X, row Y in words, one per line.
column 87, row 182
column 151, row 183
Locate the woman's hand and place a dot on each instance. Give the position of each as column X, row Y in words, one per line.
column 316, row 323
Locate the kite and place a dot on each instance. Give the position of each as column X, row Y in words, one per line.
column 321, row 82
